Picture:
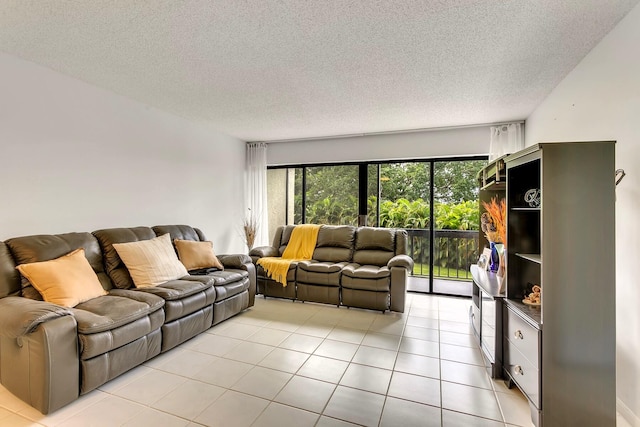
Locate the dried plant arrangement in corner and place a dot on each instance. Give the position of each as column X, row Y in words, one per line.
column 494, row 220
column 250, row 228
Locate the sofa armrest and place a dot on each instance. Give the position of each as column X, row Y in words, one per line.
column 404, row 261
column 39, row 361
column 242, row 262
column 401, row 266
column 20, row 316
column 263, row 251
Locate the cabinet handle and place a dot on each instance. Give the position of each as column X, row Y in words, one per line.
column 518, row 334
column 518, row 370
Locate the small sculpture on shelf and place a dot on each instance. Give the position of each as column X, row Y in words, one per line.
column 534, row 297
column 532, row 197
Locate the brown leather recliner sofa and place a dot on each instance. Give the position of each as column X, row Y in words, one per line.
column 361, row 267
column 50, row 355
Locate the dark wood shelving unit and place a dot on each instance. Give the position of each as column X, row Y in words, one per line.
column 561, row 354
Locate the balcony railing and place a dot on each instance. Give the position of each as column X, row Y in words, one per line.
column 454, row 252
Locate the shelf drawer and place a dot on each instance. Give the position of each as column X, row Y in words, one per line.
column 524, row 337
column 523, row 373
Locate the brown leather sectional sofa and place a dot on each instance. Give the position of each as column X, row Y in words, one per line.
column 50, row 355
column 352, row 266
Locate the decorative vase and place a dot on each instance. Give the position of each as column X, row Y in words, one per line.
column 494, row 263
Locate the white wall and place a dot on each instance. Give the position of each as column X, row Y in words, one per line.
column 466, row 141
column 74, row 157
column 600, row 100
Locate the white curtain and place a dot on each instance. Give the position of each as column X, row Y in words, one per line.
column 505, row 139
column 256, row 190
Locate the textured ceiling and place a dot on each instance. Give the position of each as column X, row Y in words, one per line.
column 281, row 69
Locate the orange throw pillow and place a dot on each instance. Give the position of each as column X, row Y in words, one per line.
column 66, row 281
column 195, row 255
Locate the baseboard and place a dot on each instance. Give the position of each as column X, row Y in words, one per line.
column 627, row 413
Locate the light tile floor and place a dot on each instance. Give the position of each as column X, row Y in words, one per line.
column 293, row 364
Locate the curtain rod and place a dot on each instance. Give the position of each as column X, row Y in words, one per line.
column 391, row 132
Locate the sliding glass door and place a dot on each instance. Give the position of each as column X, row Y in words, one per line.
column 434, row 200
column 456, row 217
column 405, row 202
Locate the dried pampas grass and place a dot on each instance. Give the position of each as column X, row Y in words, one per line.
column 494, row 220
column 250, row 227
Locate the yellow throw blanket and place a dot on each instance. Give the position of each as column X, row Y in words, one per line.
column 301, row 245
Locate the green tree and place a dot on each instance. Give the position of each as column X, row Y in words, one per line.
column 404, row 181
column 331, row 194
column 455, row 181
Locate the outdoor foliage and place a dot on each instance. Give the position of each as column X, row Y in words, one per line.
column 459, row 216
column 405, row 214
column 331, row 211
column 399, row 214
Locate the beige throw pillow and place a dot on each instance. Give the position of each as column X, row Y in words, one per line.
column 66, row 281
column 151, row 262
column 196, row 255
